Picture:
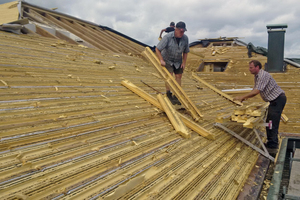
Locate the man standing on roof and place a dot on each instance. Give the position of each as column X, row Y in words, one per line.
column 270, row 92
column 172, row 52
column 167, row 30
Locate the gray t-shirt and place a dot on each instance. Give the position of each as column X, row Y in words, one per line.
column 171, row 51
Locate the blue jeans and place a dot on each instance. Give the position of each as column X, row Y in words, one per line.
column 274, row 113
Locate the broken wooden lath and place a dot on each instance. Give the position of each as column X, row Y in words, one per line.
column 176, row 88
column 250, row 116
column 192, row 125
column 216, row 90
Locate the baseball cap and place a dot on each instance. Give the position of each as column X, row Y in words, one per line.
column 181, row 26
column 172, row 24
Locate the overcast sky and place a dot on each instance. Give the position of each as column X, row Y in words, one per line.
column 144, row 19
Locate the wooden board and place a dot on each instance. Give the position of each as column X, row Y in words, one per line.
column 189, row 123
column 216, row 90
column 173, row 117
column 175, row 87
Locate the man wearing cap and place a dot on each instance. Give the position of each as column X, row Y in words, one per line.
column 167, row 30
column 172, row 52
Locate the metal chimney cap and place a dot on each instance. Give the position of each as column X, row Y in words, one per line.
column 273, row 26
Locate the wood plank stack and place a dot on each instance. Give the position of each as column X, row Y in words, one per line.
column 250, row 116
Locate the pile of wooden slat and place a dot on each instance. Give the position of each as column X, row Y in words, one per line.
column 250, row 116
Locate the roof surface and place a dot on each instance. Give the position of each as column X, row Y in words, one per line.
column 70, row 130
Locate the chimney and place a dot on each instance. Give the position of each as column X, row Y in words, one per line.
column 276, row 47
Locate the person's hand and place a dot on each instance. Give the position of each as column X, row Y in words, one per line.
column 238, row 98
column 182, row 66
column 162, row 63
column 159, row 38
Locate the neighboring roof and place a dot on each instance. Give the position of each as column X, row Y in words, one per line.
column 293, row 61
column 260, row 50
column 24, row 4
column 207, row 41
column 263, row 51
column 9, row 12
column 50, row 23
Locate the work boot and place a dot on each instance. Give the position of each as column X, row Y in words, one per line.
column 272, row 149
column 271, row 146
column 176, row 100
column 170, row 96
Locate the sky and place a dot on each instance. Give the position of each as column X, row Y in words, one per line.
column 144, row 19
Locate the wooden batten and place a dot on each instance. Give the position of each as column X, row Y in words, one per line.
column 189, row 123
column 176, row 88
column 252, row 122
column 175, row 120
column 83, row 31
column 216, row 90
column 284, row 118
column 222, row 118
column 196, row 127
column 74, row 31
column 154, row 60
column 250, row 116
column 141, row 93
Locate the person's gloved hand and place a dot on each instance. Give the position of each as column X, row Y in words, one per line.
column 159, row 38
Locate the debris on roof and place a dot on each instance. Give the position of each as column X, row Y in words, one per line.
column 260, row 50
column 14, row 28
column 71, row 127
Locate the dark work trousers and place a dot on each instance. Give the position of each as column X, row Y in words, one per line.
column 274, row 113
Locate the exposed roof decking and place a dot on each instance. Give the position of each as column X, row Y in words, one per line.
column 101, row 37
column 68, row 127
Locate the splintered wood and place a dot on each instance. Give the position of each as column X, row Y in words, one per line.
column 250, row 115
column 216, row 90
column 284, row 118
column 190, row 124
column 173, row 117
column 176, row 88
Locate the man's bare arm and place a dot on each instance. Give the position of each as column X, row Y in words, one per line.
column 163, row 30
